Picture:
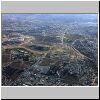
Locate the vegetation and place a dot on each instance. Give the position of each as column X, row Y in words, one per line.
column 49, row 49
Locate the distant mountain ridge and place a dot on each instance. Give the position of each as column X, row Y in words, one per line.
column 76, row 17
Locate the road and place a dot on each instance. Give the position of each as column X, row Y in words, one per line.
column 22, row 47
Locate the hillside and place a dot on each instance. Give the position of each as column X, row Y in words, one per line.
column 62, row 65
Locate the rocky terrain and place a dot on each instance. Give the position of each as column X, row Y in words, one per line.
column 49, row 50
column 62, row 66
